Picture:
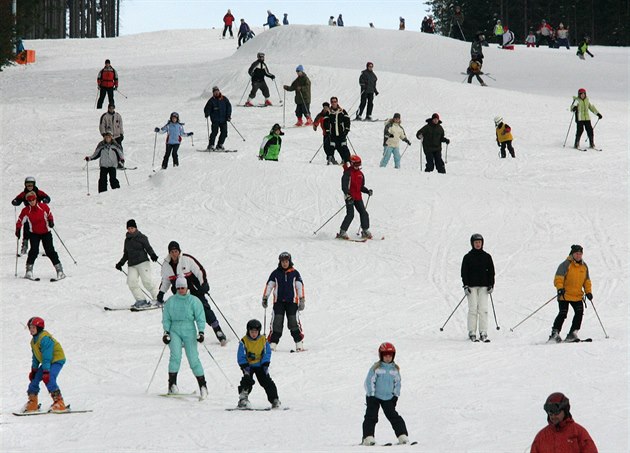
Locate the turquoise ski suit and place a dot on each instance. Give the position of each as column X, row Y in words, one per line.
column 179, row 317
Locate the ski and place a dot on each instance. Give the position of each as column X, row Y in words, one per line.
column 179, row 395
column 40, row 412
column 127, row 168
column 134, row 309
column 349, row 239
column 34, row 279
column 298, row 350
column 256, row 409
column 391, row 444
column 585, row 340
column 586, row 149
column 217, row 150
column 56, row 279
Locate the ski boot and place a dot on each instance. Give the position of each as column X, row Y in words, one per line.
column 369, row 441
column 58, row 404
column 210, row 147
column 403, row 439
column 24, row 249
column 365, row 234
column 472, row 336
column 141, row 304
column 554, row 337
column 299, row 346
column 59, row 269
column 249, row 103
column 342, row 235
column 358, row 117
column 275, row 404
column 29, row 272
column 576, row 145
column 221, row 337
column 32, row 404
column 203, row 388
column 243, row 401
column 299, row 122
column 483, row 336
column 172, row 384
column 309, row 121
column 273, row 346
column 572, row 337
column 368, row 118
column 268, row 102
column 220, row 148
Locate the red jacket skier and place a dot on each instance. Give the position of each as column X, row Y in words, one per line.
column 353, row 185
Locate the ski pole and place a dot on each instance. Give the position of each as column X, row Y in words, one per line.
column 316, row 152
column 366, row 205
column 494, row 312
column 308, row 110
column 192, row 140
column 208, row 127
column 217, row 364
column 595, row 125
column 351, row 146
column 121, row 94
column 17, row 249
column 64, row 245
column 333, row 216
column 243, row 95
column 599, row 319
column 278, row 91
column 284, row 109
column 226, row 320
column 126, row 177
column 489, row 76
column 570, row 124
column 405, row 150
column 421, row 153
column 446, row 155
column 87, row 174
column 97, row 95
column 264, row 322
column 512, row 328
column 155, row 371
column 453, row 312
column 154, row 146
column 355, row 101
column 232, row 124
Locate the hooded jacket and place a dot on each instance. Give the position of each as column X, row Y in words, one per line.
column 432, row 136
column 567, row 437
column 573, row 277
column 37, row 216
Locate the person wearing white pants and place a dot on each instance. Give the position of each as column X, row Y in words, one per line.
column 478, row 280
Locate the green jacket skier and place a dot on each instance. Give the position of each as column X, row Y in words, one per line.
column 271, row 144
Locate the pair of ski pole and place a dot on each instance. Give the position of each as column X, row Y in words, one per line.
column 460, row 302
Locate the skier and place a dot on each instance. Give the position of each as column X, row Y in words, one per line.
column 136, row 253
column 531, row 38
column 254, row 358
column 382, row 389
column 107, row 82
column 339, row 21
column 476, row 50
column 286, row 284
column 583, row 48
column 228, row 20
column 337, row 126
column 561, row 434
column 174, row 132
column 42, row 197
column 432, row 137
column 367, row 82
column 581, row 105
column 458, row 19
column 41, row 221
column 504, row 136
column 401, row 24
column 302, row 87
column 243, row 33
column 393, row 134
column 474, row 70
column 111, row 120
column 498, row 32
column 572, row 281
column 285, row 19
column 271, row 144
column 508, row 39
column 219, row 109
column 478, row 279
column 47, row 362
column 353, row 185
column 258, row 71
column 184, row 322
column 110, row 156
column 545, row 33
column 177, row 264
column 319, row 121
column 272, row 20
column 563, row 36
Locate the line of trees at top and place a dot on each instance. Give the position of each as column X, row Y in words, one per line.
column 606, row 22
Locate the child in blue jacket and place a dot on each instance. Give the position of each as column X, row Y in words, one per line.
column 254, row 358
column 382, row 389
column 174, row 132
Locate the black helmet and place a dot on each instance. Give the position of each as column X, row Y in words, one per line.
column 284, row 256
column 254, row 324
column 476, row 237
column 260, row 54
column 557, row 402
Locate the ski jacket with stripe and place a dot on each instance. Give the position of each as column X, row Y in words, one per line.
column 258, row 71
column 287, row 285
column 112, row 122
column 137, row 249
column 337, row 123
column 37, row 216
column 567, row 437
column 188, row 266
column 107, row 78
column 181, row 313
column 46, row 351
column 42, row 197
column 574, row 278
column 477, row 268
column 353, row 182
column 174, row 132
column 253, row 353
column 108, row 153
column 383, row 381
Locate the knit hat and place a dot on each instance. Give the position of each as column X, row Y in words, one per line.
column 368, row 64
column 435, row 115
column 131, row 223
column 181, row 282
column 107, row 61
column 31, row 196
column 173, row 245
column 215, row 88
column 300, row 68
column 111, row 105
column 326, row 104
column 576, row 248
column 396, row 115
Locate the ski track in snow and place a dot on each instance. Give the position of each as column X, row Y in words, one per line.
column 236, row 214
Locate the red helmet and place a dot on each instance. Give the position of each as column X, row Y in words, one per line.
column 35, row 321
column 557, row 402
column 355, row 160
column 581, row 90
column 386, row 348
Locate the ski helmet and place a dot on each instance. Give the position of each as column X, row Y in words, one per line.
column 557, row 402
column 498, row 120
column 284, row 256
column 386, row 348
column 254, row 324
column 476, row 237
column 174, row 114
column 260, row 55
column 581, row 90
column 29, row 179
column 355, row 160
column 37, row 322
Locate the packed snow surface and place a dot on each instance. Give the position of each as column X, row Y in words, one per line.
column 236, row 214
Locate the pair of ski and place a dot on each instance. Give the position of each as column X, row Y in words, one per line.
column 134, row 309
column 583, row 340
column 37, row 279
column 586, row 149
column 256, row 409
column 68, row 410
column 479, row 340
column 214, row 150
column 392, row 444
column 367, row 121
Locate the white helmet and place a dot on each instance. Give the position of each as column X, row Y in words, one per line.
column 498, row 120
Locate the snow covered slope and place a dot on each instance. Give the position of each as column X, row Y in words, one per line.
column 236, row 214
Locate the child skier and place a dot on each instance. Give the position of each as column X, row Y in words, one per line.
column 392, row 136
column 583, row 48
column 288, row 297
column 271, row 144
column 42, row 197
column 254, row 358
column 48, row 359
column 382, row 389
column 353, row 185
column 531, row 38
column 175, row 132
column 474, row 70
column 504, row 136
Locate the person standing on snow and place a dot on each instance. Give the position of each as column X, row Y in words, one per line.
column 219, row 109
column 47, row 362
column 271, row 145
column 456, row 23
column 531, row 38
column 432, row 137
column 272, row 20
column 110, row 156
column 382, row 389
column 319, row 121
column 337, row 126
column 111, row 120
column 254, row 357
column 107, row 82
column 561, row 432
column 498, row 32
column 174, row 132
column 393, row 134
column 228, row 20
column 581, row 105
column 367, row 82
column 243, row 32
column 136, row 253
column 476, row 48
column 42, row 197
column 302, row 87
column 286, row 284
column 562, row 35
column 503, row 133
column 583, row 48
column 545, row 32
column 339, row 21
column 508, row 39
column 478, row 279
column 182, row 264
column 182, row 318
column 285, row 19
column 573, row 282
column 353, row 185
column 258, row 71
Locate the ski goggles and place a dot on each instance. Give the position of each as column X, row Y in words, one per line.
column 554, row 408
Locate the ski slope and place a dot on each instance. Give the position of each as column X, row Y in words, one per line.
column 236, row 214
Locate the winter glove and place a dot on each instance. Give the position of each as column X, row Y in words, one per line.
column 166, row 338
column 156, row 130
column 348, row 198
column 467, row 290
column 46, row 377
column 160, row 297
column 17, row 233
column 229, row 119
column 301, row 304
column 190, row 134
column 272, row 77
column 498, row 144
column 574, row 108
column 599, row 115
column 560, row 293
column 115, row 88
column 154, row 258
column 490, row 289
column 370, row 192
column 201, row 337
column 589, row 296
column 375, row 93
column 407, row 141
column 265, row 302
column 419, row 136
column 31, row 375
column 390, row 135
column 447, row 141
column 286, row 87
column 205, row 287
column 87, row 158
column 119, row 266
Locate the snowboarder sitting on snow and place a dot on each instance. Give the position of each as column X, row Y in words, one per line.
column 474, row 70
column 174, row 132
column 219, row 109
column 42, row 197
column 302, row 87
column 48, row 359
column 254, row 358
column 382, row 389
column 581, row 105
column 258, row 71
column 432, row 137
column 271, row 144
column 583, row 48
column 110, row 156
column 504, row 136
column 286, row 284
column 319, row 121
column 353, row 185
column 182, row 317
